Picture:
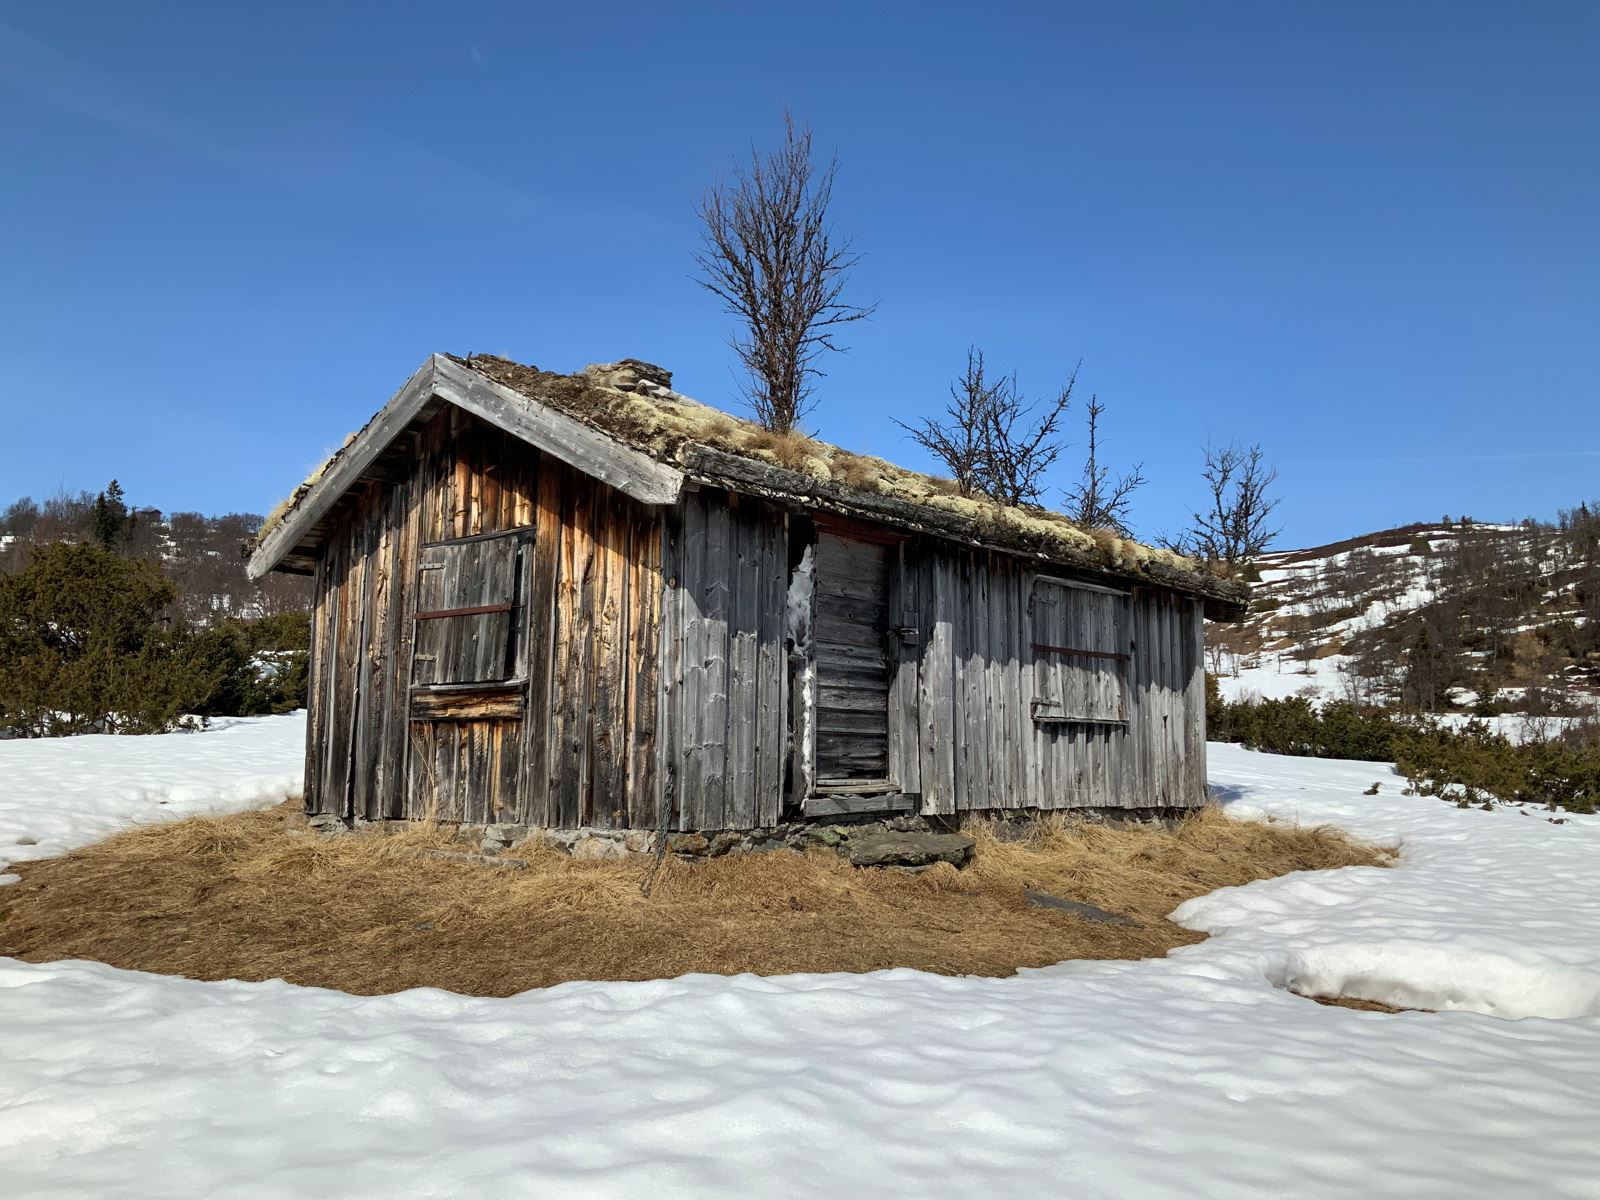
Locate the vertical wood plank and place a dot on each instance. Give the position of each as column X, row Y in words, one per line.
column 740, row 574
column 669, row 733
column 394, row 711
column 316, row 665
column 938, row 700
column 771, row 667
column 609, row 740
column 581, row 593
column 368, row 525
column 536, row 806
column 692, row 717
column 905, row 734
column 350, row 634
column 715, row 591
column 643, row 651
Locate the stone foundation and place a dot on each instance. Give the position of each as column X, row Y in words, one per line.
column 601, row 844
column 905, row 840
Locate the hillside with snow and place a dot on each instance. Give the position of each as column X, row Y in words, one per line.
column 203, row 556
column 1460, row 616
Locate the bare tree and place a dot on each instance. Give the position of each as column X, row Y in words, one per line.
column 1021, row 441
column 995, row 443
column 771, row 259
column 1096, row 501
column 958, row 442
column 1233, row 528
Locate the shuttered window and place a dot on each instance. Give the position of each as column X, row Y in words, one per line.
column 469, row 611
column 1081, row 648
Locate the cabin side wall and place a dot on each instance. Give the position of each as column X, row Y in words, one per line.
column 570, row 741
column 978, row 743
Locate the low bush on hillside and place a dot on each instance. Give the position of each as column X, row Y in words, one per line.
column 1470, row 763
column 89, row 643
column 1295, row 726
column 1474, row 763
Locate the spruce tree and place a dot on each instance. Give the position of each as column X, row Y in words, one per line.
column 109, row 522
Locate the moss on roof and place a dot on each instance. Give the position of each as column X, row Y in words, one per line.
column 668, row 426
column 671, row 428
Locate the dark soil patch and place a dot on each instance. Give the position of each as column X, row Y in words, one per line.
column 1358, row 1005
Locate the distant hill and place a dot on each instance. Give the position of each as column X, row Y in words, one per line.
column 1453, row 616
column 202, row 555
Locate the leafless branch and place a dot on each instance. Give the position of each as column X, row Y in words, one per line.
column 1233, row 528
column 1097, row 501
column 995, row 443
column 959, row 442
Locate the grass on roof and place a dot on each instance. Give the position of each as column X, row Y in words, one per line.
column 667, row 425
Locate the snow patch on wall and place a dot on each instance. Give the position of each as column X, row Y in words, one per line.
column 797, row 605
column 797, row 628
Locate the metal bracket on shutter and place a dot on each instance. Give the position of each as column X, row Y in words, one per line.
column 1041, row 648
column 431, row 567
column 475, row 611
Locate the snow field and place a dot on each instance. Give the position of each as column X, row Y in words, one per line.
column 1489, row 912
column 1196, row 1074
column 60, row 793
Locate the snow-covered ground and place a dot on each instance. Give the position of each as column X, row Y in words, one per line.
column 59, row 793
column 1190, row 1075
column 1279, row 676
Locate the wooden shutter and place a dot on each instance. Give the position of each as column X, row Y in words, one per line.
column 1080, row 653
column 469, row 610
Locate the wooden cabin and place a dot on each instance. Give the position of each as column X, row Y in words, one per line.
column 570, row 601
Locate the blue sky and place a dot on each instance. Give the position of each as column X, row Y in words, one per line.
column 1363, row 234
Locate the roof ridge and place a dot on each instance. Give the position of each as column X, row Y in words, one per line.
column 689, row 434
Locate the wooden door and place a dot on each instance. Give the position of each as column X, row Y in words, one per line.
column 850, row 611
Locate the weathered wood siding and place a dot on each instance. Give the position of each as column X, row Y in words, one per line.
column 556, row 728
column 595, row 626
column 726, row 736
column 980, row 744
column 646, row 679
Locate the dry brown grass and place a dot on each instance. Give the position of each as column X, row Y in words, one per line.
column 790, row 448
column 857, row 471
column 254, row 896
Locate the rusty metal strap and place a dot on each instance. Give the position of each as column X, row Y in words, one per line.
column 1041, row 648
column 476, row 611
